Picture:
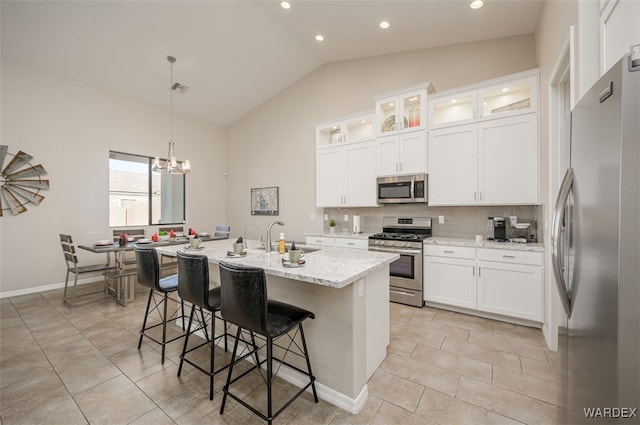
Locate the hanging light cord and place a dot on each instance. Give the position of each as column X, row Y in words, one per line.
column 172, row 60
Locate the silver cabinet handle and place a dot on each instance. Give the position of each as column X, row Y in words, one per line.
column 395, row 291
column 508, row 256
column 446, row 251
column 556, row 225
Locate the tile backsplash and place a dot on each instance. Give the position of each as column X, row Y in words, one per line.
column 463, row 222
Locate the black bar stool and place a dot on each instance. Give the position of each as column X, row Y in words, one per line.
column 148, row 274
column 244, row 303
column 193, row 287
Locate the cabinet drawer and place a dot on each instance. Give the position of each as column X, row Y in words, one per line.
column 450, row 251
column 320, row 240
column 352, row 243
column 510, row 256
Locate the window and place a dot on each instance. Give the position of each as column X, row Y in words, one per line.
column 140, row 197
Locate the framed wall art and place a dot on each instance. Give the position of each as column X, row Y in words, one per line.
column 264, row 201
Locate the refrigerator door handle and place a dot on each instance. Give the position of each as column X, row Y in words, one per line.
column 556, row 226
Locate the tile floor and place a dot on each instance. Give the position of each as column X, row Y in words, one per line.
column 76, row 366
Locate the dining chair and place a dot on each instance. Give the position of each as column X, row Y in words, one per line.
column 244, row 303
column 169, row 264
column 148, row 275
column 193, row 287
column 71, row 260
column 222, row 231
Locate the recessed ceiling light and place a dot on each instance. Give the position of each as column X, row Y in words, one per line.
column 319, row 37
column 453, row 100
column 285, row 5
column 384, row 25
column 506, row 89
column 476, row 4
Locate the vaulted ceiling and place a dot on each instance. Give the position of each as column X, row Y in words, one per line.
column 234, row 54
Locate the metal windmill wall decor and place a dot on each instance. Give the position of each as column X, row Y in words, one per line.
column 20, row 182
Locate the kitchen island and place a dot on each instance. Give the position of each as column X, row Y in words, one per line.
column 347, row 290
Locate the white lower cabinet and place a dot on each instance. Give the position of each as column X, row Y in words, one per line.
column 355, row 243
column 504, row 282
column 450, row 281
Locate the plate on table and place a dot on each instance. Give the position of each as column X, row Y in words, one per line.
column 104, row 242
column 143, row 241
column 203, row 235
column 289, row 264
column 234, row 255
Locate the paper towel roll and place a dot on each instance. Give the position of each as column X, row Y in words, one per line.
column 356, row 224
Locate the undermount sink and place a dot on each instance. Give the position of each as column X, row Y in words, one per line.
column 305, row 248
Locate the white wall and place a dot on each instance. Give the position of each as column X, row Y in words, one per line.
column 69, row 129
column 274, row 145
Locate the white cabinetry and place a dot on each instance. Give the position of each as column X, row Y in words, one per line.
column 489, row 163
column 508, row 169
column 402, row 111
column 353, row 128
column 450, row 275
column 402, row 154
column 346, row 175
column 512, row 95
column 453, row 165
column 355, row 243
column 504, row 282
column 510, row 283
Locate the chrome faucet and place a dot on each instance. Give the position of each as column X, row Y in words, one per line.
column 268, row 247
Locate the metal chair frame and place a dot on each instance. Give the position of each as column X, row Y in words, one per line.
column 71, row 260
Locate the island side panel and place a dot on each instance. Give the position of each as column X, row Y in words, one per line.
column 336, row 337
column 376, row 293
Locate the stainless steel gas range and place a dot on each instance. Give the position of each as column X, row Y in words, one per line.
column 404, row 236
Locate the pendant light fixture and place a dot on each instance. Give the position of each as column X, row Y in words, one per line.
column 171, row 164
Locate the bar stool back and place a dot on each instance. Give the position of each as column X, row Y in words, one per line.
column 148, row 274
column 244, row 303
column 193, row 287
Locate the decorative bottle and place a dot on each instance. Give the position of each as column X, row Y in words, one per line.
column 281, row 244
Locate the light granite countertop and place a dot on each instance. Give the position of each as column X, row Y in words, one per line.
column 443, row 240
column 327, row 266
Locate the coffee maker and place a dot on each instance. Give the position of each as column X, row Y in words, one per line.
column 496, row 229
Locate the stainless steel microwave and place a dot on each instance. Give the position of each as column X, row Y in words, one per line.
column 406, row 189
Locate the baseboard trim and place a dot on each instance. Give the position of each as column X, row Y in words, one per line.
column 44, row 288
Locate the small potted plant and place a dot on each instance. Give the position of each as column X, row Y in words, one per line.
column 332, row 226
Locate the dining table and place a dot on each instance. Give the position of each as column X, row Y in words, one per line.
column 124, row 291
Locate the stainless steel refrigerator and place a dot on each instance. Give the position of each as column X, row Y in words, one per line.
column 595, row 255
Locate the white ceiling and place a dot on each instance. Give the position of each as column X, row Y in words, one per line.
column 234, row 54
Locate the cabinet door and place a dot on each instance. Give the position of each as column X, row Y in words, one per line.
column 454, row 109
column 329, row 177
column 511, row 97
column 452, row 164
column 388, row 156
column 508, row 160
column 510, row 289
column 413, row 153
column 450, row 281
column 360, row 175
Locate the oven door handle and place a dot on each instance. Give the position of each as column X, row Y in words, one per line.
column 396, row 250
column 409, row 294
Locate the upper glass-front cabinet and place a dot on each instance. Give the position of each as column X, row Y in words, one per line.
column 403, row 111
column 509, row 98
column 452, row 109
column 349, row 129
column 512, row 95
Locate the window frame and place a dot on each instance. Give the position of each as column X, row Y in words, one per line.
column 148, row 160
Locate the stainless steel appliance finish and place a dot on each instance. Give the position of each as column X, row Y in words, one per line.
column 595, row 253
column 402, row 189
column 404, row 236
column 496, row 230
